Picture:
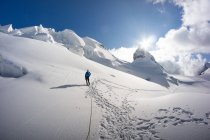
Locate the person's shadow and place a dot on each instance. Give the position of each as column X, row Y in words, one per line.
column 68, row 86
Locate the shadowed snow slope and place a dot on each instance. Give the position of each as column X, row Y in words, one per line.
column 206, row 74
column 51, row 101
column 9, row 69
column 205, row 67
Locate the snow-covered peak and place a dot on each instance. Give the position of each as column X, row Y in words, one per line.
column 6, row 28
column 33, row 30
column 205, row 68
column 206, row 75
column 149, row 69
column 142, row 54
column 68, row 38
column 207, row 65
column 94, row 50
column 92, row 42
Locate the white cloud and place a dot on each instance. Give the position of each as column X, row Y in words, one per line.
column 194, row 11
column 171, row 67
column 184, row 63
column 186, row 39
column 180, row 46
column 191, row 65
column 157, row 1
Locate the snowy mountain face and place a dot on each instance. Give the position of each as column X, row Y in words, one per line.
column 70, row 40
column 95, row 51
column 86, row 46
column 141, row 54
column 205, row 72
column 205, row 67
column 206, row 75
column 35, row 32
column 43, row 96
column 144, row 64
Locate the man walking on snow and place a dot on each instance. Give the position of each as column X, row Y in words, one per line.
column 87, row 75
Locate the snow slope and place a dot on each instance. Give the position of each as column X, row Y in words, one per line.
column 51, row 101
column 145, row 66
column 94, row 50
column 6, row 29
column 206, row 75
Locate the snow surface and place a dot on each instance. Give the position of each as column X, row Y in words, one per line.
column 206, row 75
column 142, row 54
column 205, row 72
column 9, row 69
column 51, row 100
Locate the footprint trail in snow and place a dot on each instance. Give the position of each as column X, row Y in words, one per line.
column 119, row 123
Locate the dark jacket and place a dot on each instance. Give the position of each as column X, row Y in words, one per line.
column 87, row 74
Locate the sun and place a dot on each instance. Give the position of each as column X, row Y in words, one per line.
column 147, row 42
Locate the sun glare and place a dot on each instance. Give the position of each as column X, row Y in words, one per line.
column 147, row 42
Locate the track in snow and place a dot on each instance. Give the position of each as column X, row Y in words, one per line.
column 119, row 123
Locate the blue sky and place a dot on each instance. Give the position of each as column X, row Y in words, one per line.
column 114, row 23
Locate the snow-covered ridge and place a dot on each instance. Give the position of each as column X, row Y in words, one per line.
column 205, row 72
column 95, row 51
column 86, row 46
column 205, row 68
column 142, row 54
column 144, row 64
column 150, row 69
column 68, row 38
